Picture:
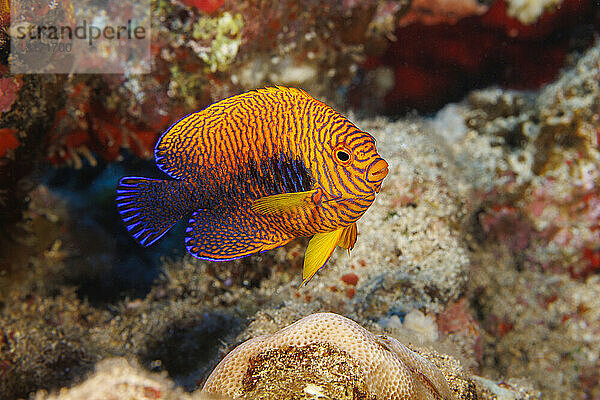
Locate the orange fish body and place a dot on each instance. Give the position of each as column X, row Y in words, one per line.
column 255, row 171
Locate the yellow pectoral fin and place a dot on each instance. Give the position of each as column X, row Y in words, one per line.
column 319, row 250
column 283, row 202
column 348, row 237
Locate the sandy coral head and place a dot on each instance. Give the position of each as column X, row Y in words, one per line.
column 325, row 355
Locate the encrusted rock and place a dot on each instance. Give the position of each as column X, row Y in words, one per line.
column 330, row 356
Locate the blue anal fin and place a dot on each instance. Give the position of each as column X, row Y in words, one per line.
column 222, row 235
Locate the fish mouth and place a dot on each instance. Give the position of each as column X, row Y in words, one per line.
column 376, row 172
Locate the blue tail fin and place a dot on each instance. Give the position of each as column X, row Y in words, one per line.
column 150, row 207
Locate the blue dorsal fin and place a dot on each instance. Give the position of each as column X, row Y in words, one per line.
column 174, row 153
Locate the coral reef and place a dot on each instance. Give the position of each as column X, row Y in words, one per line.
column 434, row 64
column 425, row 268
column 533, row 160
column 376, row 55
column 9, row 90
column 89, row 126
column 41, row 342
column 50, row 337
column 207, row 50
column 528, row 11
column 305, row 357
column 120, row 379
column 483, row 243
column 428, row 12
column 299, row 360
column 29, row 104
column 551, row 174
column 224, row 36
column 459, row 184
column 116, row 378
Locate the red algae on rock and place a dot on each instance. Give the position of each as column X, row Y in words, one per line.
column 434, row 64
column 9, row 91
column 433, row 12
column 534, row 232
column 8, row 141
column 350, row 279
column 89, row 126
column 208, row 6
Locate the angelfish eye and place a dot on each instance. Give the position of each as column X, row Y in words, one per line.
column 342, row 155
